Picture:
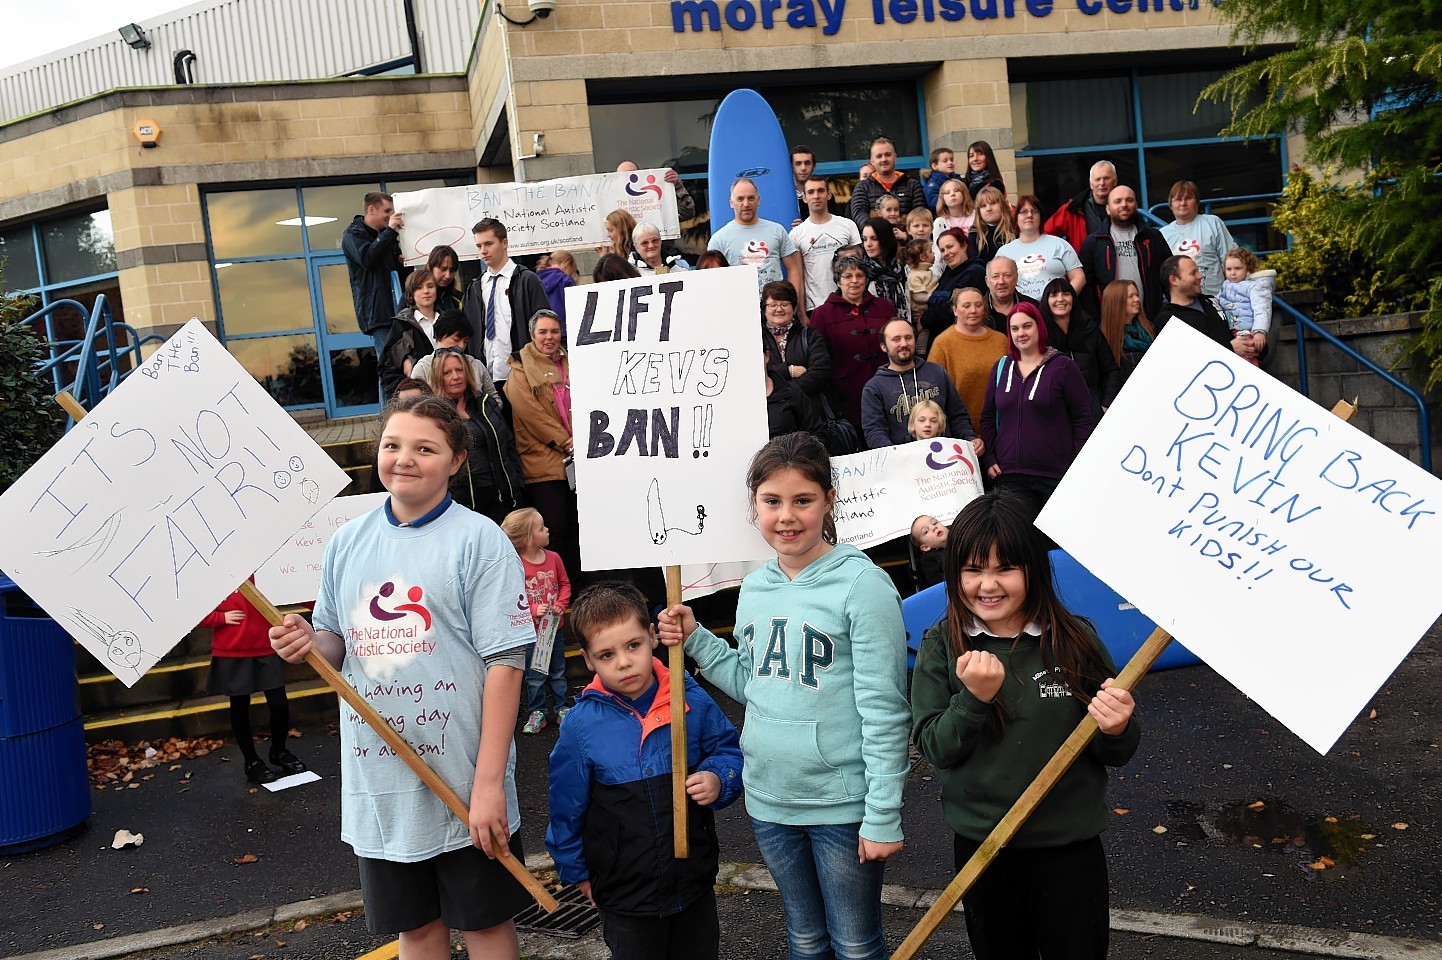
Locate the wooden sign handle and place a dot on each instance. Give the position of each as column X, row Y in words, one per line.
column 676, row 664
column 1002, row 833
column 377, row 723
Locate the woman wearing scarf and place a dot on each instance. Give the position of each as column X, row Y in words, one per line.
column 539, row 390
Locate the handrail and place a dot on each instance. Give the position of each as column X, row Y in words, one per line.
column 91, row 361
column 1306, row 323
column 1206, row 207
column 1424, row 419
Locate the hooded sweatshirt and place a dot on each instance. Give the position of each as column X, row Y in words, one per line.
column 888, row 397
column 820, row 663
column 1036, row 425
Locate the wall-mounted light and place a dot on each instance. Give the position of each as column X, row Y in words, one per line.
column 134, row 34
column 540, row 10
column 538, row 147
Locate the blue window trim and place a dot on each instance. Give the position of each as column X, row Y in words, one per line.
column 1140, row 145
column 47, row 287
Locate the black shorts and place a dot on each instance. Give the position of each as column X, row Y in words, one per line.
column 465, row 888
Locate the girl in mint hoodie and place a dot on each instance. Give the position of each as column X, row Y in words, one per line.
column 999, row 685
column 820, row 665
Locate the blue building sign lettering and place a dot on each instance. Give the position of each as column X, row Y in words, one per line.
column 701, row 15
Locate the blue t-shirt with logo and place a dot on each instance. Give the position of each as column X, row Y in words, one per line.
column 762, row 244
column 418, row 608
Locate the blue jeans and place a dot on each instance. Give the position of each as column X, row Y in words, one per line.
column 832, row 903
column 555, row 678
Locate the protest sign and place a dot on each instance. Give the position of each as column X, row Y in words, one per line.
column 568, row 213
column 668, row 403
column 292, row 574
column 160, row 502
column 879, row 493
column 1283, row 546
column 545, row 642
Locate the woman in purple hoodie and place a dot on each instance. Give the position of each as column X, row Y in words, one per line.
column 1037, row 412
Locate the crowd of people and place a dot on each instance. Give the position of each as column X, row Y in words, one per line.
column 932, row 306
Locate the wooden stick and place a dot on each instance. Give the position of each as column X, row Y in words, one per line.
column 676, row 664
column 1041, row 786
column 399, row 746
column 367, row 712
column 1002, row 833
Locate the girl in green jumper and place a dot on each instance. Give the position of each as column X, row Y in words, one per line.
column 998, row 686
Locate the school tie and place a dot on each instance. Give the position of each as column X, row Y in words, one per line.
column 491, row 309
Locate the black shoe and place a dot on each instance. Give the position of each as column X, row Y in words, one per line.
column 287, row 763
column 258, row 772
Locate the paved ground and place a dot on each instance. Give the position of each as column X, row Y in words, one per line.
column 1249, row 812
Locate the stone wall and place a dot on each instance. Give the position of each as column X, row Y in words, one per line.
column 1383, row 412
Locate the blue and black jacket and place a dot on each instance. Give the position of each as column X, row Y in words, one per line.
column 611, row 798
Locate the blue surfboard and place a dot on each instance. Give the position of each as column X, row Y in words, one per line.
column 1121, row 626
column 746, row 141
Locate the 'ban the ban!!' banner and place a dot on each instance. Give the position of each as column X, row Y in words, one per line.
column 569, row 213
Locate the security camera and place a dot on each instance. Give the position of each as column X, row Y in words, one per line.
column 541, row 8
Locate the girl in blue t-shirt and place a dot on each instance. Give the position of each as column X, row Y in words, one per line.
column 418, row 609
column 820, row 664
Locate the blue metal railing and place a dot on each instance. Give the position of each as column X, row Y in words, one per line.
column 1305, row 324
column 98, row 356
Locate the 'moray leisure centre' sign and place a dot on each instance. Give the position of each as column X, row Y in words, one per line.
column 702, row 15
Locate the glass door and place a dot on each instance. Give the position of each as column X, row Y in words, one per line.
column 349, row 368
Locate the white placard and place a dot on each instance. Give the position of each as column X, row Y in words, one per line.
column 879, row 494
column 568, row 213
column 668, row 405
column 1283, row 546
column 292, row 574
column 545, row 640
column 155, row 507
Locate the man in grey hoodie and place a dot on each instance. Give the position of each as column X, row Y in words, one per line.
column 888, row 397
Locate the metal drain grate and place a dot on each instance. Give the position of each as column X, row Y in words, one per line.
column 575, row 918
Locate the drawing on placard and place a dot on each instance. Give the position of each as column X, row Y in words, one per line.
column 121, row 646
column 310, row 490
column 656, row 517
column 101, row 540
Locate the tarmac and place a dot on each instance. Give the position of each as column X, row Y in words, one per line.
column 1229, row 838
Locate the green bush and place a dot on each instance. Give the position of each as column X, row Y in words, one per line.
column 1329, row 254
column 31, row 421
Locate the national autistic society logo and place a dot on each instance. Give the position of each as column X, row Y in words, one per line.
column 649, row 187
column 414, row 594
column 952, row 459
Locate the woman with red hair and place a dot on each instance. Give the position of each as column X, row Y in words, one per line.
column 1037, row 412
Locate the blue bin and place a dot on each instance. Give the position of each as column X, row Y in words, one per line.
column 44, row 790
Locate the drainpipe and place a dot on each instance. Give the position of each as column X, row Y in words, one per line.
column 410, row 9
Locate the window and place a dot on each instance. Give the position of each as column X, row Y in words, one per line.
column 1152, row 127
column 71, row 257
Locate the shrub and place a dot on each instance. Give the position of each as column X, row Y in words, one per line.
column 31, row 421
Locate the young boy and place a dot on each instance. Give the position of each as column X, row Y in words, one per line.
column 943, row 168
column 454, row 332
column 929, row 536
column 611, row 817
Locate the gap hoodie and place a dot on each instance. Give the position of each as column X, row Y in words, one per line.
column 1036, row 425
column 820, row 663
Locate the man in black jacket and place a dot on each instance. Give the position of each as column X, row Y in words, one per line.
column 1186, row 303
column 500, row 302
column 372, row 251
column 1125, row 248
column 884, row 179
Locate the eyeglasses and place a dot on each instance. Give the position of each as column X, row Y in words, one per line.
column 774, row 307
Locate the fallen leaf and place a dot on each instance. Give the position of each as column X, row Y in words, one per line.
column 1259, row 805
column 1226, row 766
column 1372, row 715
column 1159, row 829
column 1369, row 836
column 299, row 926
column 132, row 786
column 173, row 767
column 341, row 917
column 97, row 926
column 256, row 956
column 1399, row 826
column 140, row 890
column 294, row 734
column 1323, row 863
column 280, row 943
column 1120, row 811
column 245, row 858
column 1330, row 819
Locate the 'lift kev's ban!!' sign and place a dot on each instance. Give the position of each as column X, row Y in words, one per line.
column 160, row 502
column 668, row 405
